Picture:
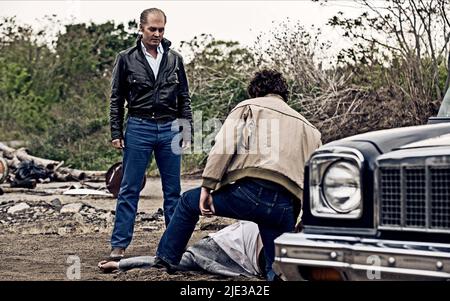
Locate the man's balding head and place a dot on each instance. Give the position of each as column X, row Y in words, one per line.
column 149, row 11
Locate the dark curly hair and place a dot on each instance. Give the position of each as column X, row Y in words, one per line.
column 268, row 82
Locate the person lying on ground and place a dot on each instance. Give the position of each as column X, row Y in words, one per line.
column 236, row 250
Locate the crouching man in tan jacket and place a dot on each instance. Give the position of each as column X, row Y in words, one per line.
column 254, row 171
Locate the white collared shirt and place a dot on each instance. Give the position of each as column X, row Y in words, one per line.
column 154, row 63
column 242, row 242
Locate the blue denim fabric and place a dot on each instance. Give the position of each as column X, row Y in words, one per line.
column 142, row 138
column 245, row 200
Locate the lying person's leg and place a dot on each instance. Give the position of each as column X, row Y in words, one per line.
column 139, row 262
column 187, row 263
column 126, row 264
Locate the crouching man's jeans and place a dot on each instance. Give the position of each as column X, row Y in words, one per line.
column 142, row 138
column 246, row 200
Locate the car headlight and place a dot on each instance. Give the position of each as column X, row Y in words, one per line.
column 335, row 184
column 341, row 186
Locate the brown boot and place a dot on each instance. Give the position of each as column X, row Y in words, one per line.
column 116, row 254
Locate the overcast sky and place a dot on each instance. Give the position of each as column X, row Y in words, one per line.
column 240, row 21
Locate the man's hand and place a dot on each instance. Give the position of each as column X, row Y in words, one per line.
column 206, row 203
column 118, row 143
column 299, row 227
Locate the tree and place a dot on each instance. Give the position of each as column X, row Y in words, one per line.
column 414, row 34
column 55, row 93
column 218, row 74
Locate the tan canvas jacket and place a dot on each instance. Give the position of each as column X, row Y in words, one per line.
column 262, row 138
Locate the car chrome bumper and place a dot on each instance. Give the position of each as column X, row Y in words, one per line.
column 361, row 259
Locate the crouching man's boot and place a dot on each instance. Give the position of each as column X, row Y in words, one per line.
column 161, row 264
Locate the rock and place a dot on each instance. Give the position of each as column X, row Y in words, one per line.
column 157, row 216
column 71, row 208
column 108, row 217
column 56, row 204
column 148, row 217
column 18, row 208
column 78, row 217
column 62, row 231
column 4, row 203
column 149, row 228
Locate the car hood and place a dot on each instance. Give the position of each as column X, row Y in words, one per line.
column 443, row 140
column 407, row 137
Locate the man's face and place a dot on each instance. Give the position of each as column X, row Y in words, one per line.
column 153, row 30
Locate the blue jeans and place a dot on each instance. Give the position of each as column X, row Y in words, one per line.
column 245, row 200
column 142, row 138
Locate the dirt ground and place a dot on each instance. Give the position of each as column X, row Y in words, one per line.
column 45, row 235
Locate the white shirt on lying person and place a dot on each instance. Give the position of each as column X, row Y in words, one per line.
column 242, row 243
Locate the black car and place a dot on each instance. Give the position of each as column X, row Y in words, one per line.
column 376, row 206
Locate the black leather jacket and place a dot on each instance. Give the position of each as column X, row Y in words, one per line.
column 164, row 98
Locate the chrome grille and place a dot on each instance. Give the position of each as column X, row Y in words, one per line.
column 390, row 196
column 415, row 209
column 440, row 198
column 414, row 197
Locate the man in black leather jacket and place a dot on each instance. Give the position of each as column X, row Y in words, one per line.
column 151, row 79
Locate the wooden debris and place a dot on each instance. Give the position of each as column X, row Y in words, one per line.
column 14, row 157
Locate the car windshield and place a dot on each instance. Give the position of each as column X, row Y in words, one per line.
column 444, row 111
